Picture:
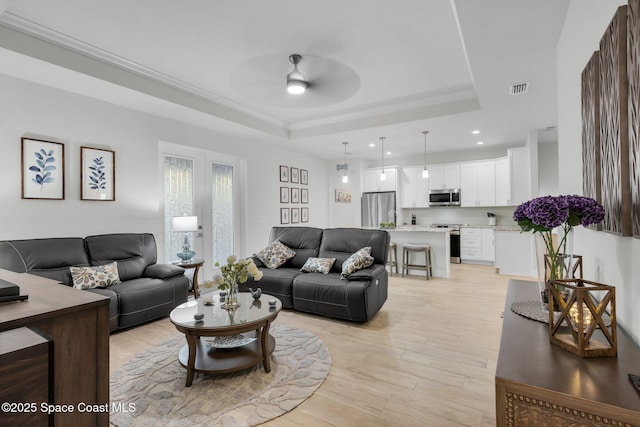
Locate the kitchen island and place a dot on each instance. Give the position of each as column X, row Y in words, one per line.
column 437, row 238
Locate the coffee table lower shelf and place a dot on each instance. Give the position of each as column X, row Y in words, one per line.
column 211, row 360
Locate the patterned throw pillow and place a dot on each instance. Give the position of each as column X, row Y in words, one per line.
column 357, row 261
column 318, row 265
column 99, row 276
column 276, row 254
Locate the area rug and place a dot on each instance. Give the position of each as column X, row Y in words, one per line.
column 153, row 383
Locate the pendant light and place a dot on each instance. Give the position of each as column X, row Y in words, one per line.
column 383, row 177
column 344, row 167
column 425, row 171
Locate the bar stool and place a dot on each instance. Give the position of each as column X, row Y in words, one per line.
column 407, row 249
column 392, row 261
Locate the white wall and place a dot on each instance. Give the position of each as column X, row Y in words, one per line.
column 28, row 109
column 548, row 169
column 607, row 258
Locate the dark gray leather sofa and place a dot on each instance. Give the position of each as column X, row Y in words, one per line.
column 357, row 298
column 148, row 290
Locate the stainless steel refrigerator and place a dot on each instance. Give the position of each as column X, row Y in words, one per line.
column 378, row 207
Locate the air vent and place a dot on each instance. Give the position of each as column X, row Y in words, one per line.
column 519, row 88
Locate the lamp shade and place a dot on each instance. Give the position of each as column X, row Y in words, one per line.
column 184, row 223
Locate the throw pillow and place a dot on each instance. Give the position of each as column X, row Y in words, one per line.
column 318, row 265
column 99, row 276
column 275, row 255
column 357, row 261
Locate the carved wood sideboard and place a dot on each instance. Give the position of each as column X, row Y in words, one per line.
column 538, row 383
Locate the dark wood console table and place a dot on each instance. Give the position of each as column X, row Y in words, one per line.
column 538, row 383
column 78, row 323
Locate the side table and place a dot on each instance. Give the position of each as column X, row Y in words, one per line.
column 195, row 264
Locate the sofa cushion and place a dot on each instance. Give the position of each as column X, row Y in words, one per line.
column 318, row 265
column 305, row 241
column 143, row 299
column 95, row 277
column 275, row 255
column 357, row 261
column 328, row 295
column 134, row 252
column 276, row 282
column 341, row 243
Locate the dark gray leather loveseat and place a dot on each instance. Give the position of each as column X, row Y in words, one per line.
column 148, row 290
column 357, row 298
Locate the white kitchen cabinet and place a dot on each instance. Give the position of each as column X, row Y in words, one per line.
column 477, row 184
column 488, row 245
column 477, row 245
column 414, row 189
column 444, row 176
column 520, row 175
column 371, row 180
column 503, row 181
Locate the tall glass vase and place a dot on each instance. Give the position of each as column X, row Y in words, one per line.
column 554, row 255
column 232, row 298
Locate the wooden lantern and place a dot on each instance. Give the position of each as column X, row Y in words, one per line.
column 586, row 324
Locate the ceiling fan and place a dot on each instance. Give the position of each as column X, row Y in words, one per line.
column 323, row 81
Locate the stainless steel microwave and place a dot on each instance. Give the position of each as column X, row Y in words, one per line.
column 448, row 197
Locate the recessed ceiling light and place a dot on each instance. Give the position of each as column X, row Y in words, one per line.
column 476, row 132
column 372, row 145
column 388, row 152
column 480, row 142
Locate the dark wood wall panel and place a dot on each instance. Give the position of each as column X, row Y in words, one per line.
column 633, row 73
column 591, row 131
column 614, row 134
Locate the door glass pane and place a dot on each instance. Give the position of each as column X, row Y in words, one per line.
column 222, row 212
column 178, row 201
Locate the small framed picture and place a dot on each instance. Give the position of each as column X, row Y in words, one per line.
column 284, row 174
column 295, row 195
column 295, row 176
column 304, row 177
column 304, row 214
column 42, row 169
column 295, row 215
column 284, row 194
column 97, row 174
column 343, row 196
column 284, row 215
column 304, row 195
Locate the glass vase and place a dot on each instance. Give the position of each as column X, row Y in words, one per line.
column 555, row 260
column 232, row 298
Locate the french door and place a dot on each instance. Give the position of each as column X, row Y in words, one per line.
column 208, row 185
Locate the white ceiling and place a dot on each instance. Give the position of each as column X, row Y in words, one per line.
column 376, row 67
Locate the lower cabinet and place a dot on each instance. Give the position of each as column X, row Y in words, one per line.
column 477, row 245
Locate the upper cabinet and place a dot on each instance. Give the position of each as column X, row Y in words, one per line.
column 414, row 188
column 444, row 176
column 477, row 184
column 503, row 181
column 371, row 180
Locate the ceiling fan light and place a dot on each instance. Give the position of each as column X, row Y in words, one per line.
column 296, row 87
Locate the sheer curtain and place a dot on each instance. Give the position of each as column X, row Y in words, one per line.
column 222, row 212
column 178, row 200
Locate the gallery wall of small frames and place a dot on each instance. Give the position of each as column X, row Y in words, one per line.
column 294, row 195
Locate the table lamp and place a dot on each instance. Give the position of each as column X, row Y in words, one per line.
column 186, row 225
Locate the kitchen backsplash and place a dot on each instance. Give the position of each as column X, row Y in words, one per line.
column 456, row 215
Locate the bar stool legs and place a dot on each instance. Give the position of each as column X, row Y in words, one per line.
column 407, row 249
column 392, row 262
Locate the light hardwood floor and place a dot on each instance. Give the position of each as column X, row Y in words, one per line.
column 428, row 358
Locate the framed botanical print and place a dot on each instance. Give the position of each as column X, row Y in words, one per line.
column 284, row 194
column 304, row 176
column 284, row 174
column 295, row 195
column 97, row 174
column 304, row 214
column 42, row 169
column 284, row 215
column 295, row 175
column 295, row 215
column 343, row 196
column 304, row 195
